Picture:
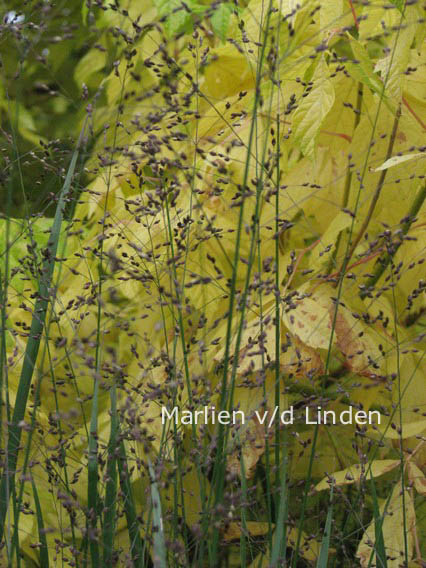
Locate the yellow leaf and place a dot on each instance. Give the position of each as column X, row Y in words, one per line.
column 228, row 73
column 356, row 472
column 254, row 528
column 321, row 254
column 395, row 160
column 300, row 360
column 416, row 476
column 358, row 342
column 257, row 344
column 310, row 322
column 411, row 396
column 258, row 349
column 393, row 66
column 289, row 8
column 309, row 547
column 377, row 18
column 253, row 442
column 256, row 403
column 330, row 15
column 409, row 429
column 393, row 531
column 93, row 61
column 313, row 109
column 361, row 353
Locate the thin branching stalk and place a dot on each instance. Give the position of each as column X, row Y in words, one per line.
column 377, row 191
column 37, row 325
column 405, row 227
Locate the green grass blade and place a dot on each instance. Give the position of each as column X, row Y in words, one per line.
column 244, row 532
column 43, row 550
column 92, row 485
column 160, row 554
column 130, row 510
column 228, row 379
column 111, row 485
column 379, row 545
column 325, row 545
column 280, row 539
column 385, row 261
column 33, row 344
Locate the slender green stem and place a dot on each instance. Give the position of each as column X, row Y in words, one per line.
column 280, row 534
column 348, row 178
column 37, row 325
column 378, row 190
column 111, row 484
column 136, row 549
column 405, row 227
column 226, row 393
